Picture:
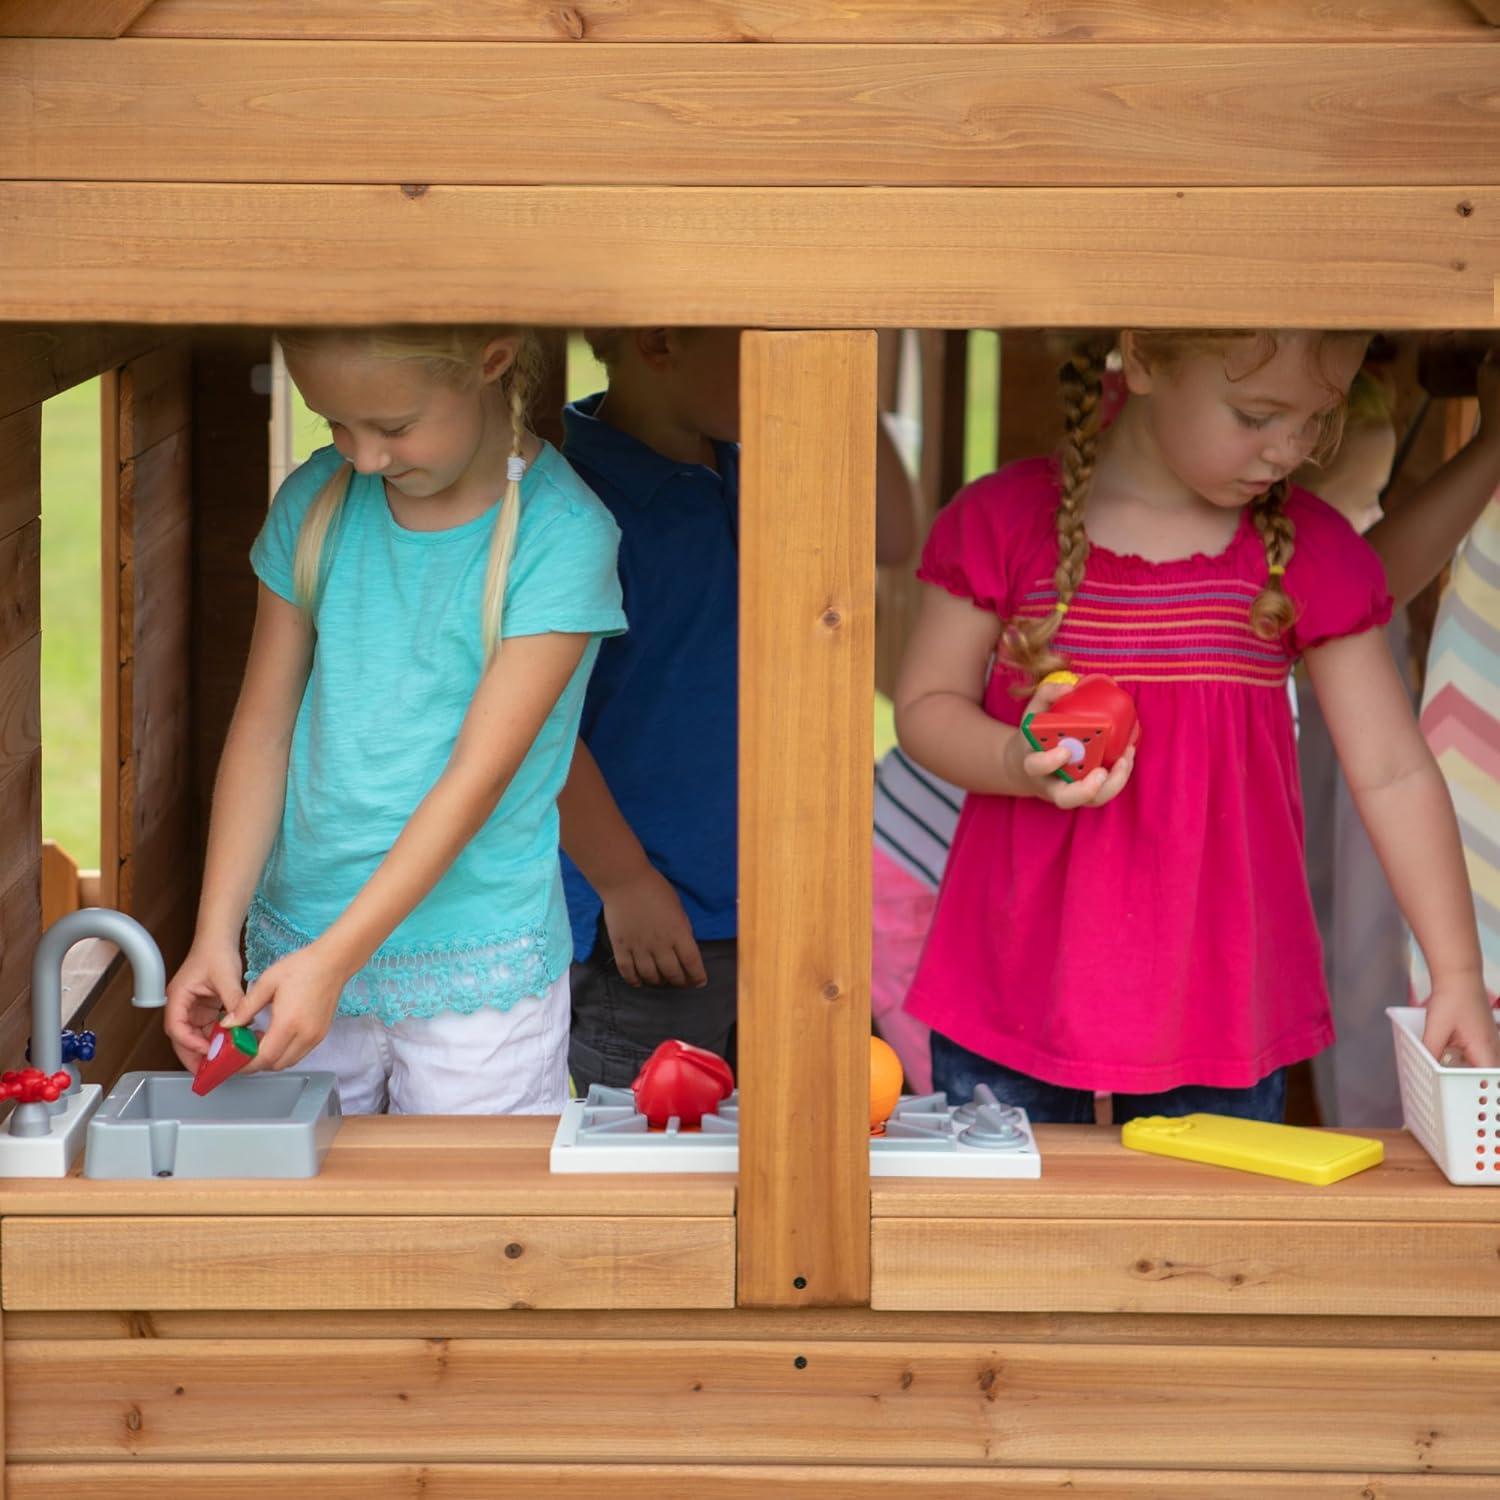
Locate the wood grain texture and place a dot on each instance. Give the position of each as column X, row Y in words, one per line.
column 758, row 21
column 489, row 1166
column 1087, row 1173
column 1199, row 114
column 807, row 604
column 1217, row 1266
column 231, row 494
column 37, row 360
column 443, row 1481
column 69, row 18
column 475, row 1400
column 985, row 258
column 754, row 1324
column 20, row 466
column 407, row 1262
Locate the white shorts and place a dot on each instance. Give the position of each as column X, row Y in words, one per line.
column 493, row 1062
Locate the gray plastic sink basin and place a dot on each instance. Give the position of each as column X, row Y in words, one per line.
column 260, row 1125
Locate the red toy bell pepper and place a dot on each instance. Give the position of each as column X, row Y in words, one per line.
column 683, row 1080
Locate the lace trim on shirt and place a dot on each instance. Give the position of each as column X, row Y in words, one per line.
column 464, row 977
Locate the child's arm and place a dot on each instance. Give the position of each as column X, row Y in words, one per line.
column 1416, row 541
column 249, row 791
column 511, row 703
column 895, row 501
column 1406, row 808
column 941, row 724
column 649, row 932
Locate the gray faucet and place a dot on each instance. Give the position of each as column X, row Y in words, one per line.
column 46, row 991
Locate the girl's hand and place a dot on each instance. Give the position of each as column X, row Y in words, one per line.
column 303, row 989
column 208, row 981
column 1459, row 1019
column 1034, row 768
column 650, row 933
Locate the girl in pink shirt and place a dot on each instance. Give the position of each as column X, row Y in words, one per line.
column 1147, row 931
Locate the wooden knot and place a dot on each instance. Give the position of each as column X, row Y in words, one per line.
column 513, row 1251
column 570, row 22
column 832, row 618
column 413, row 189
column 831, row 990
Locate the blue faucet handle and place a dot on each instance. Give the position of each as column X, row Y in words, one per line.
column 77, row 1046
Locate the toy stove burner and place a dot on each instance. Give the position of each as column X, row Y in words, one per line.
column 924, row 1137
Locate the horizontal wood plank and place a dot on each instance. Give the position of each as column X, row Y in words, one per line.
column 1211, row 1266
column 1198, row 114
column 1392, row 258
column 20, row 465
column 742, row 1324
column 1087, row 1173
column 1109, row 21
column 482, row 1166
column 39, row 360
column 371, row 1262
column 20, row 704
column 1093, row 1406
column 69, row 18
column 21, row 830
column 360, row 1481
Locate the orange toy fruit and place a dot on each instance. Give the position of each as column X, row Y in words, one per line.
column 885, row 1081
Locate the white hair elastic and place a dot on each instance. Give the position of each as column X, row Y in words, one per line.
column 515, row 468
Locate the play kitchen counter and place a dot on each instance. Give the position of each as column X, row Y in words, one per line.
column 437, row 1315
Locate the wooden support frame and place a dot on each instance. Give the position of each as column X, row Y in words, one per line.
column 807, row 592
column 1392, row 257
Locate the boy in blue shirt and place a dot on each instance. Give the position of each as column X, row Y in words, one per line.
column 649, row 808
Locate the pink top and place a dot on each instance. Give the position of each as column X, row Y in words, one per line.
column 1166, row 938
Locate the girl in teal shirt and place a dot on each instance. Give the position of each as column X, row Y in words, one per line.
column 433, row 589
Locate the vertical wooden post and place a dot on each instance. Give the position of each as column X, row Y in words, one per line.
column 231, row 495
column 807, row 587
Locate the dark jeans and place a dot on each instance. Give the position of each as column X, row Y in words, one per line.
column 956, row 1070
column 617, row 1027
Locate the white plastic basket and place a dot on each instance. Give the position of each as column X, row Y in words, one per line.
column 1453, row 1112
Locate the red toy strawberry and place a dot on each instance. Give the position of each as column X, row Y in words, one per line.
column 228, row 1051
column 1096, row 721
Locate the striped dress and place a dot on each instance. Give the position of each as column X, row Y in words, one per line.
column 1461, row 719
column 1166, row 938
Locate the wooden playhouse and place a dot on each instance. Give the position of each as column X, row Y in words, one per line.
column 435, row 1315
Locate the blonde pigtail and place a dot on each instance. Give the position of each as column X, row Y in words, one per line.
column 1271, row 611
column 522, row 380
column 307, row 560
column 1027, row 640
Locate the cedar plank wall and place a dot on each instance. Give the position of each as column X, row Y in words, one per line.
column 1176, row 161
column 37, row 363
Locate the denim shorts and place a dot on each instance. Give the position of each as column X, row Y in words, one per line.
column 956, row 1071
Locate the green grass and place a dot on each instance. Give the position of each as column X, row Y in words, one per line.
column 70, row 622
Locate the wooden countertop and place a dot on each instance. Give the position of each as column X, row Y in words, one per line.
column 1087, row 1173
column 400, row 1164
column 450, row 1165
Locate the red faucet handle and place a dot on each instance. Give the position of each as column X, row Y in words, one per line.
column 32, row 1086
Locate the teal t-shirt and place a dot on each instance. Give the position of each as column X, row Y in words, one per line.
column 395, row 664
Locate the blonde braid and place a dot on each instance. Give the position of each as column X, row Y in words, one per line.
column 1271, row 611
column 307, row 560
column 521, row 382
column 1027, row 639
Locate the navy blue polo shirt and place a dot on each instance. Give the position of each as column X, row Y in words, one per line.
column 660, row 715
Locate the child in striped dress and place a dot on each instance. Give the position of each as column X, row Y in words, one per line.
column 1146, row 931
